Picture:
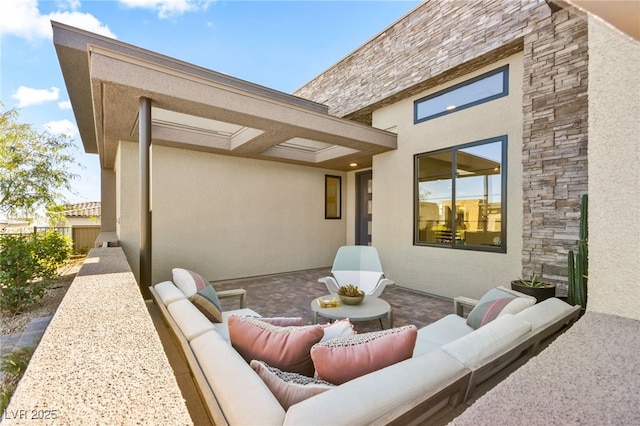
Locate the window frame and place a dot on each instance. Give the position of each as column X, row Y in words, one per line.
column 503, row 197
column 505, row 92
column 332, row 197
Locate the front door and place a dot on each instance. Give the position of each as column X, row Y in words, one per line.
column 364, row 192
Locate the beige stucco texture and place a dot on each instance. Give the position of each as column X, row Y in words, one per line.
column 444, row 271
column 228, row 217
column 614, row 173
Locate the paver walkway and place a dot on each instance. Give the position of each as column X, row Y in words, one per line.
column 28, row 338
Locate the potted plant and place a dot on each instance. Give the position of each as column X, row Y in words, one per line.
column 350, row 294
column 534, row 287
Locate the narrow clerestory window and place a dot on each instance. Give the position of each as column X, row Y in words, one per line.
column 478, row 90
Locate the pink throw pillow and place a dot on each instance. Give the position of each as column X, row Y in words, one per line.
column 285, row 348
column 339, row 360
column 289, row 388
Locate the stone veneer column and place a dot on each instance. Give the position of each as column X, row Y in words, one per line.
column 555, row 138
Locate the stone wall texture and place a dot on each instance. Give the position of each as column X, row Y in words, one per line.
column 442, row 40
column 438, row 41
column 555, row 134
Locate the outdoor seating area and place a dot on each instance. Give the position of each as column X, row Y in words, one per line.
column 103, row 307
column 471, row 354
column 341, row 254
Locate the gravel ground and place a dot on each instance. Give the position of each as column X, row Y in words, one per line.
column 48, row 305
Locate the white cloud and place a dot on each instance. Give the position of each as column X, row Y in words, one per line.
column 68, row 4
column 26, row 96
column 169, row 8
column 21, row 18
column 62, row 127
column 64, row 104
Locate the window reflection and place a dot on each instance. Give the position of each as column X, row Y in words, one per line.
column 460, row 195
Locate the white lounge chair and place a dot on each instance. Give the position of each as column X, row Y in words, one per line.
column 360, row 266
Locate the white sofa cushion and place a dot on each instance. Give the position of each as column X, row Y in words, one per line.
column 191, row 321
column 441, row 332
column 168, row 292
column 547, row 311
column 245, row 398
column 475, row 347
column 366, row 399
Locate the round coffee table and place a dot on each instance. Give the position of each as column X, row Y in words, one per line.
column 371, row 308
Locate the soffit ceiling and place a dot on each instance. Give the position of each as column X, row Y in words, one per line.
column 621, row 14
column 198, row 109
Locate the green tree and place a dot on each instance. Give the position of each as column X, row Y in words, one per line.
column 34, row 167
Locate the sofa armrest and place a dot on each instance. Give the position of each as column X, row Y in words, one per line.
column 460, row 303
column 237, row 292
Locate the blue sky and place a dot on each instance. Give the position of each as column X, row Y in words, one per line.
column 278, row 44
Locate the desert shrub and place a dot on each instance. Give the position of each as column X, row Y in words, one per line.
column 82, row 251
column 28, row 264
column 52, row 250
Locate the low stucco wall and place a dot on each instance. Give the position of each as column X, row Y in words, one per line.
column 100, row 360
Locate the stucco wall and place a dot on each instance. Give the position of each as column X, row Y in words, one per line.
column 128, row 204
column 84, row 221
column 228, row 217
column 614, row 173
column 442, row 271
column 108, row 213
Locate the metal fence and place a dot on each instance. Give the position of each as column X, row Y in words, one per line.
column 64, row 230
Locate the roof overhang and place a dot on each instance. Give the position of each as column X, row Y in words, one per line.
column 199, row 109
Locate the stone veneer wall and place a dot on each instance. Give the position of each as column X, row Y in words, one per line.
column 555, row 130
column 437, row 41
column 442, row 40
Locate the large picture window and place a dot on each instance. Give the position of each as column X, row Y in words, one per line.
column 460, row 196
column 478, row 90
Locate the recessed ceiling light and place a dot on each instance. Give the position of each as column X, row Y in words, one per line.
column 354, row 164
column 450, row 107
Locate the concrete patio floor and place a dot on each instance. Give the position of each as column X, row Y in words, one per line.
column 291, row 295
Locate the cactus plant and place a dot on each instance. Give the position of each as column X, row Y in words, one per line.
column 578, row 264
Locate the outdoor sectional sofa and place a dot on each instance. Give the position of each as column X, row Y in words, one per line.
column 451, row 363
